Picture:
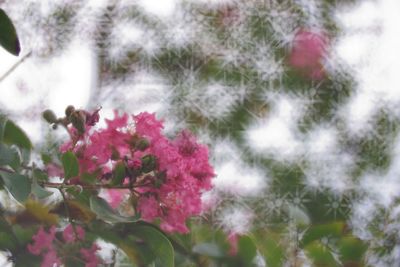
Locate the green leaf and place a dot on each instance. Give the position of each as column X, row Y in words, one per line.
column 351, row 249
column 208, row 249
column 70, row 164
column 3, row 121
column 159, row 244
column 24, row 234
column 40, row 175
column 18, row 185
column 119, row 174
column 126, row 243
column 247, row 250
column 316, row 232
column 24, row 258
column 9, row 156
column 106, row 213
column 320, row 254
column 270, row 246
column 39, row 191
column 7, row 241
column 14, row 135
column 8, row 35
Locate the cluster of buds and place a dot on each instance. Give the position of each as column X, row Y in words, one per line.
column 79, row 118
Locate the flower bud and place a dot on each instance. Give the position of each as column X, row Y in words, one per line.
column 114, row 154
column 49, row 116
column 142, row 144
column 148, row 163
column 78, row 121
column 69, row 110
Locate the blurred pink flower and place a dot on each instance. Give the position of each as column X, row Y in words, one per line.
column 116, row 196
column 308, row 51
column 43, row 245
column 42, row 241
column 233, row 239
column 51, row 259
column 54, row 170
column 69, row 235
column 89, row 255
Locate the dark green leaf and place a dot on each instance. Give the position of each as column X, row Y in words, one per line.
column 119, row 174
column 24, row 234
column 70, row 164
column 106, row 213
column 9, row 156
column 316, row 232
column 7, row 241
column 270, row 246
column 208, row 249
column 3, row 121
column 18, row 185
column 46, row 158
column 40, row 175
column 351, row 249
column 125, row 244
column 320, row 254
column 24, row 258
column 13, row 134
column 88, row 178
column 8, row 35
column 159, row 244
column 247, row 250
column 39, row 191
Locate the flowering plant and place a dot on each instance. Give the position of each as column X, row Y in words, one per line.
column 128, row 173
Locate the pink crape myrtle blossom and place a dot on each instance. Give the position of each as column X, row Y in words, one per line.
column 308, row 52
column 71, row 236
column 167, row 176
column 187, row 174
column 233, row 239
column 50, row 259
column 116, row 196
column 45, row 246
column 89, row 255
column 42, row 241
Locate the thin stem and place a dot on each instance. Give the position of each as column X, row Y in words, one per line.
column 85, row 186
column 68, row 213
column 6, row 170
column 13, row 67
column 88, row 186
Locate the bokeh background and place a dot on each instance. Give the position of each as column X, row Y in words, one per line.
column 298, row 101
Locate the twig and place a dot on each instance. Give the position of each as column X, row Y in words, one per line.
column 88, row 186
column 6, row 170
column 13, row 67
column 67, row 212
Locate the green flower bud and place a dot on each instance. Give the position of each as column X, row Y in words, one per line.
column 148, row 163
column 142, row 144
column 49, row 116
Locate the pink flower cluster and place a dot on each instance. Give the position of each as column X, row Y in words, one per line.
column 308, row 51
column 44, row 245
column 167, row 177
